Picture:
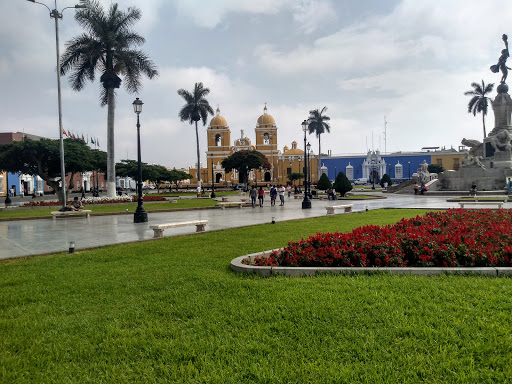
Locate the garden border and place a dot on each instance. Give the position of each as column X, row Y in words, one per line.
column 267, row 271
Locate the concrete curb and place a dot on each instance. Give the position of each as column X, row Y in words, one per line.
column 238, row 267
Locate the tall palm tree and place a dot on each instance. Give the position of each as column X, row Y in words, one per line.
column 106, row 47
column 196, row 108
column 479, row 102
column 318, row 123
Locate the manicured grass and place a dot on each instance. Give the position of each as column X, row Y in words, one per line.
column 109, row 208
column 171, row 310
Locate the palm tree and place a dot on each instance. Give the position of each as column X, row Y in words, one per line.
column 107, row 48
column 479, row 101
column 318, row 123
column 196, row 108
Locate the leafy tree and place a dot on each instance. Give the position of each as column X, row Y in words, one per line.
column 107, row 47
column 479, row 102
column 196, row 108
column 318, row 123
column 42, row 158
column 435, row 168
column 324, row 183
column 243, row 162
column 385, row 179
column 295, row 176
column 155, row 174
column 342, row 184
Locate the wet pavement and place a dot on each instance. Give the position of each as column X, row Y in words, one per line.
column 35, row 237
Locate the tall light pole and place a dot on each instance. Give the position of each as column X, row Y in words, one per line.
column 213, row 180
column 55, row 14
column 300, row 173
column 272, row 158
column 306, row 203
column 7, row 197
column 140, row 215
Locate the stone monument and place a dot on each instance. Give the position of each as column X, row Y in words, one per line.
column 488, row 164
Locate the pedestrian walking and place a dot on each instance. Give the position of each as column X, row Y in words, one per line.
column 273, row 196
column 289, row 189
column 282, row 189
column 253, row 193
column 261, row 195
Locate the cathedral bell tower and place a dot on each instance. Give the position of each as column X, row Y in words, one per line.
column 266, row 143
column 219, row 139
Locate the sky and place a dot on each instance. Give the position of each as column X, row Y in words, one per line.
column 406, row 62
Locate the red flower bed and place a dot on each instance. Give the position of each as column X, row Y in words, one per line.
column 453, row 238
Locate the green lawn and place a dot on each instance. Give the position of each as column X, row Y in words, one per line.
column 172, row 311
column 108, row 208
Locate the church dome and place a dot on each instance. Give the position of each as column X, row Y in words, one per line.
column 266, row 119
column 218, row 121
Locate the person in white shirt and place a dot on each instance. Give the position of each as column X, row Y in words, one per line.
column 282, row 189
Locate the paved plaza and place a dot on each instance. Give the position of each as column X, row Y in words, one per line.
column 35, row 237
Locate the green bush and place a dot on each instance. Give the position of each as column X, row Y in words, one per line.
column 385, row 179
column 324, row 183
column 342, row 184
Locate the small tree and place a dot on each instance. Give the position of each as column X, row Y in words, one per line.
column 243, row 162
column 435, row 168
column 324, row 183
column 342, row 184
column 385, row 179
column 295, row 176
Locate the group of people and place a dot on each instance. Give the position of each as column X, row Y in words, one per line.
column 274, row 192
column 420, row 189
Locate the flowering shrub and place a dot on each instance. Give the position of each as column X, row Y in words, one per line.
column 453, row 238
column 97, row 200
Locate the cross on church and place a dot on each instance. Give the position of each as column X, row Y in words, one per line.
column 241, row 133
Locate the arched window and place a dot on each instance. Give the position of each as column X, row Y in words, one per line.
column 267, row 176
column 218, row 140
column 266, row 138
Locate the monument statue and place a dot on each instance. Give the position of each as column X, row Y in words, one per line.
column 472, row 161
column 501, row 141
column 476, row 148
column 502, row 61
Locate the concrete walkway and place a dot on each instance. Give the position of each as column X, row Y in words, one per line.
column 35, row 237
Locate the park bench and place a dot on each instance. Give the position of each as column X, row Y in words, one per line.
column 224, row 198
column 230, row 203
column 346, row 208
column 158, row 230
column 499, row 204
column 85, row 212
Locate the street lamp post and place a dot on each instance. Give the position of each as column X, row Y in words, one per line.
column 7, row 197
column 140, row 215
column 213, row 181
column 409, row 169
column 55, row 14
column 306, row 203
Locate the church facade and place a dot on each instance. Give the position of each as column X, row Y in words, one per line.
column 283, row 162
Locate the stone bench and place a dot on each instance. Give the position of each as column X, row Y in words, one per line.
column 298, row 196
column 499, row 204
column 85, row 212
column 230, row 203
column 224, row 198
column 158, row 230
column 346, row 208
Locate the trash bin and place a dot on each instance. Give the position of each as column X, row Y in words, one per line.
column 313, row 193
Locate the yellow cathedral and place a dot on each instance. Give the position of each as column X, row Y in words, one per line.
column 283, row 163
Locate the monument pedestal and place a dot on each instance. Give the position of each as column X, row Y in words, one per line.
column 502, row 159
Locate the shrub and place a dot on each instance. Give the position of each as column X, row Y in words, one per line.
column 324, row 183
column 385, row 179
column 342, row 185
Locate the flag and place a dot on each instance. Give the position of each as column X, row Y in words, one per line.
column 92, row 141
column 73, row 136
column 97, row 142
column 64, row 132
column 83, row 138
